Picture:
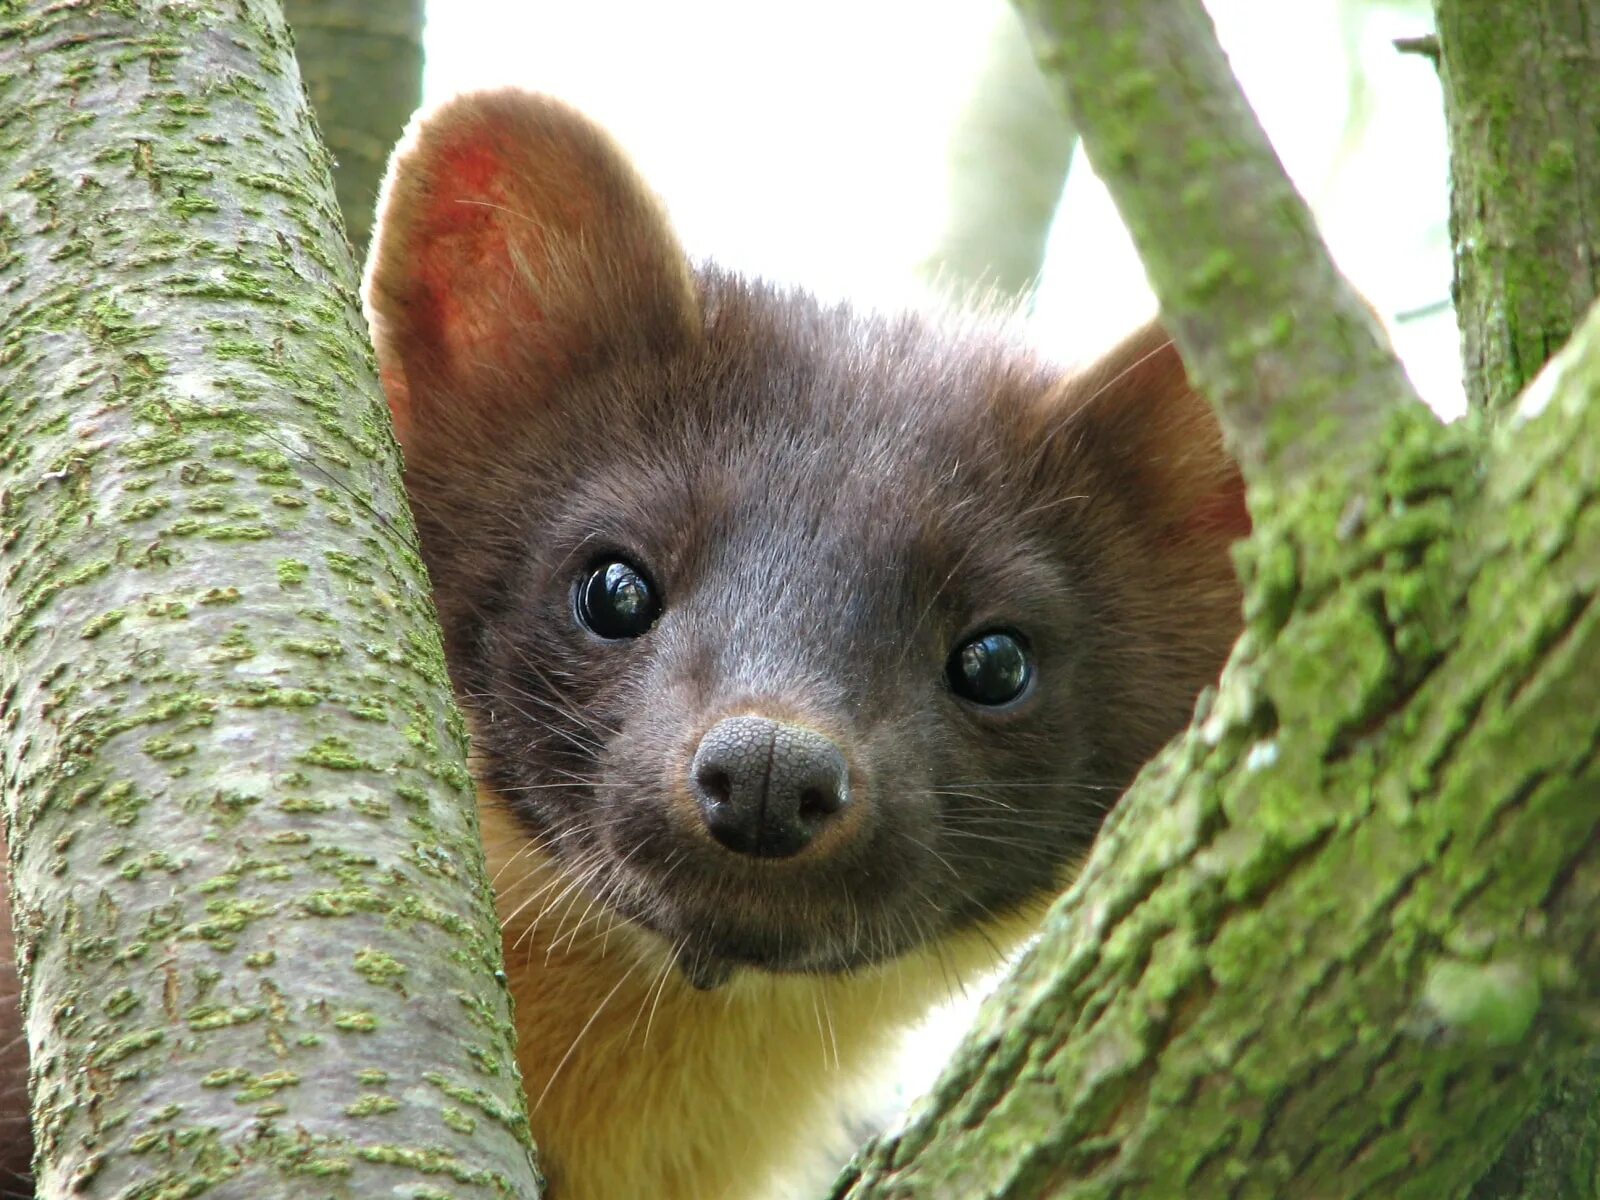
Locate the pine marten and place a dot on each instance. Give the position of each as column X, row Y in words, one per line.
column 803, row 650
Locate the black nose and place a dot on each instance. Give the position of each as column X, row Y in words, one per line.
column 766, row 788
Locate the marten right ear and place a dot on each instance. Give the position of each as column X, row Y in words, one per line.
column 515, row 248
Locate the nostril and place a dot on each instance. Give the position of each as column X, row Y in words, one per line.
column 767, row 788
column 715, row 785
column 817, row 803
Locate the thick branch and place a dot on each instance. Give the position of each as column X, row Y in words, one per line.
column 1522, row 96
column 1300, row 372
column 258, row 948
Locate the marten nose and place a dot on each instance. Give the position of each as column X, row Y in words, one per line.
column 766, row 788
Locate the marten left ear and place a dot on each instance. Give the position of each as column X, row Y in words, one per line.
column 1138, row 415
column 516, row 248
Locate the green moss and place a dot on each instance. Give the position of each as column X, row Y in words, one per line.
column 479, row 1099
column 348, row 565
column 435, row 1162
column 262, row 1086
column 219, row 1016
column 355, row 1021
column 262, row 696
column 379, row 968
column 335, row 903
column 314, row 647
column 166, row 749
column 106, row 620
column 371, row 1106
column 126, row 1046
column 459, row 1121
column 335, row 754
column 1493, row 1003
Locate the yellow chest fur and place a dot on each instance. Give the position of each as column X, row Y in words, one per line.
column 639, row 1085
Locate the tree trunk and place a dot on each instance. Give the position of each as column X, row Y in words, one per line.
column 1527, row 257
column 362, row 63
column 1522, row 97
column 259, row 954
column 1338, row 940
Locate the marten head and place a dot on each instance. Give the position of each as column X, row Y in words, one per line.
column 797, row 637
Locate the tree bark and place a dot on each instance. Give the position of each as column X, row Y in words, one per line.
column 362, row 64
column 1522, row 87
column 1338, row 940
column 1522, row 98
column 1294, row 361
column 259, row 954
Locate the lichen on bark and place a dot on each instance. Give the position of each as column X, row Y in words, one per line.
column 1522, row 98
column 259, row 951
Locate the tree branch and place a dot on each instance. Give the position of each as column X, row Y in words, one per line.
column 1006, row 163
column 1524, row 119
column 1296, row 364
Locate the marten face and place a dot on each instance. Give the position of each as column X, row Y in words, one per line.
column 797, row 638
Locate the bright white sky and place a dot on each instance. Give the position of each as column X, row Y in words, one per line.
column 806, row 142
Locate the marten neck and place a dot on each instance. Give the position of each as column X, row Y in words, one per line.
column 639, row 1084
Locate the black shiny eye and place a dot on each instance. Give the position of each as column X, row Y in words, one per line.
column 991, row 669
column 615, row 601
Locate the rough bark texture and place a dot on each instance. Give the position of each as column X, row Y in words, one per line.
column 1522, row 97
column 362, row 64
column 1296, row 364
column 258, row 950
column 1338, row 940
column 1006, row 163
column 1553, row 1155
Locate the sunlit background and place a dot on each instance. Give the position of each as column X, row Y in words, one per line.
column 813, row 143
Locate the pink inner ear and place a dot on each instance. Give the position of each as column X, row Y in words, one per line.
column 466, row 302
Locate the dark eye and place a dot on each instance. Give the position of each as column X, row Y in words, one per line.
column 991, row 669
column 615, row 601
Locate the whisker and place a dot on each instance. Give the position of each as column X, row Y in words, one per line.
column 593, row 1017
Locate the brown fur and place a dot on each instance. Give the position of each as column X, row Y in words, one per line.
column 16, row 1146
column 828, row 502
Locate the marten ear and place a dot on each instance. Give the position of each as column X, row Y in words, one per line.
column 1138, row 414
column 515, row 249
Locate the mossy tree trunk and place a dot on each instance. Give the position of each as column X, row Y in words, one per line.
column 1522, row 96
column 362, row 63
column 1339, row 939
column 259, row 953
